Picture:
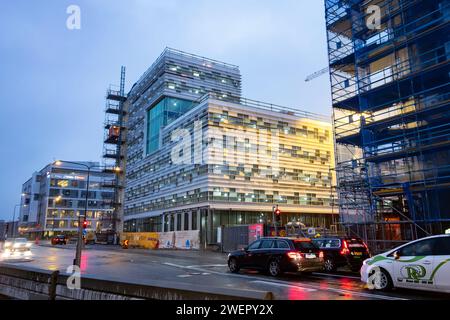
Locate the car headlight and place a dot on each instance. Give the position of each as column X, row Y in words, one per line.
column 29, row 245
column 8, row 244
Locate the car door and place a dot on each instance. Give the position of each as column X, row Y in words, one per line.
column 263, row 254
column 441, row 272
column 248, row 259
column 414, row 267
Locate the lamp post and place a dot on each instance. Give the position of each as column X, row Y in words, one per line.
column 81, row 219
column 13, row 220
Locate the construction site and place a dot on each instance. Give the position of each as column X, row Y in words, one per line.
column 390, row 91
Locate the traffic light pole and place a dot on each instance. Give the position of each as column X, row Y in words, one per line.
column 77, row 260
column 275, row 223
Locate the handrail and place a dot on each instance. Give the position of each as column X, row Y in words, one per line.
column 265, row 106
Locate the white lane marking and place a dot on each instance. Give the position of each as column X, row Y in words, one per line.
column 283, row 285
column 335, row 290
column 336, row 275
column 208, row 266
column 184, row 276
column 175, row 265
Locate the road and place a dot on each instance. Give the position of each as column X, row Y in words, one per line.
column 209, row 268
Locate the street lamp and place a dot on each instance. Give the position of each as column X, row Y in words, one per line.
column 14, row 218
column 77, row 260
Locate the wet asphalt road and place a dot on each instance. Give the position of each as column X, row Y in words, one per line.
column 209, row 268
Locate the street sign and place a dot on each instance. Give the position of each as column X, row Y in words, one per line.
column 84, row 232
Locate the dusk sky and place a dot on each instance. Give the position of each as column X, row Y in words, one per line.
column 53, row 80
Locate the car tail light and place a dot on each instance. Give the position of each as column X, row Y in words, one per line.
column 367, row 248
column 294, row 255
column 345, row 250
column 321, row 255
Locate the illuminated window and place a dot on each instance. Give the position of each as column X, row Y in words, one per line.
column 63, row 183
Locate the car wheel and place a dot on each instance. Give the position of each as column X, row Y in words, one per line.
column 233, row 265
column 329, row 265
column 382, row 281
column 274, row 268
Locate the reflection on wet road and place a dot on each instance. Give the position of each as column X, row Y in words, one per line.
column 141, row 267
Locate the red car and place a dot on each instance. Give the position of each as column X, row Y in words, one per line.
column 62, row 240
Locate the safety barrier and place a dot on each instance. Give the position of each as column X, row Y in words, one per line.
column 27, row 283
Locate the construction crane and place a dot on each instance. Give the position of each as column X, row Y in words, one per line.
column 317, row 74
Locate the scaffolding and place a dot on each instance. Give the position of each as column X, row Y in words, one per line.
column 390, row 89
column 114, row 149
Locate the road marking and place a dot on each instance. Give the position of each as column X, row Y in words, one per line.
column 283, row 285
column 335, row 290
column 184, row 276
column 336, row 275
column 208, row 266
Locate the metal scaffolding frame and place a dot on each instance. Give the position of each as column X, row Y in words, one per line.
column 390, row 90
column 113, row 147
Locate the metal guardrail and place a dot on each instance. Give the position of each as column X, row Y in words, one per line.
column 27, row 283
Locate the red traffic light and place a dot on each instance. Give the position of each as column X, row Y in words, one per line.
column 85, row 224
column 278, row 212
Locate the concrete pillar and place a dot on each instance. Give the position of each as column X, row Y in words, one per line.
column 190, row 220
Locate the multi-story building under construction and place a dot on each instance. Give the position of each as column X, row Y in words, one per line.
column 390, row 78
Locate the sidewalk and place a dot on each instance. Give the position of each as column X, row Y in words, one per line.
column 209, row 256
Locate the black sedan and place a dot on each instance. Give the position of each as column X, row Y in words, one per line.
column 61, row 239
column 278, row 255
column 342, row 251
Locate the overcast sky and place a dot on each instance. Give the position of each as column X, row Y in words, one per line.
column 53, row 80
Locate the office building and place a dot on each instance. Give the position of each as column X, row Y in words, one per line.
column 199, row 156
column 54, row 197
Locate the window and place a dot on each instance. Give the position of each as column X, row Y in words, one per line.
column 254, row 245
column 283, row 245
column 194, row 221
column 304, row 245
column 442, row 247
column 421, row 248
column 186, row 221
column 267, row 244
column 327, row 243
column 179, row 222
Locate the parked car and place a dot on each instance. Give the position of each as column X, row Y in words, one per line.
column 342, row 251
column 277, row 255
column 59, row 240
column 16, row 248
column 421, row 265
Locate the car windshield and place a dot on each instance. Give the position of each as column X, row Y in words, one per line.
column 20, row 240
column 327, row 243
column 304, row 245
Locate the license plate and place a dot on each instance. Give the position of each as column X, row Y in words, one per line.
column 310, row 256
column 357, row 253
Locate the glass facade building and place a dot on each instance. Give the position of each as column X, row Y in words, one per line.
column 200, row 156
column 389, row 69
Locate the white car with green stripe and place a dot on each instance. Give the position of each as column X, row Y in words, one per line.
column 422, row 265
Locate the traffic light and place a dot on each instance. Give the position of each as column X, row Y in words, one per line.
column 85, row 224
column 277, row 215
